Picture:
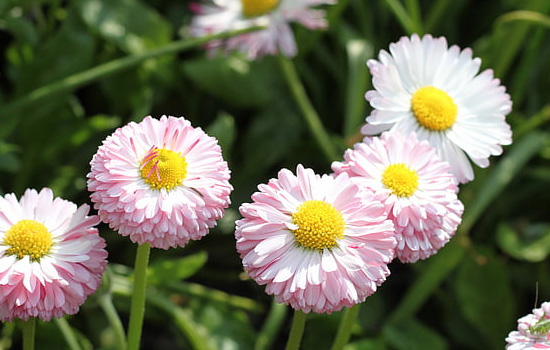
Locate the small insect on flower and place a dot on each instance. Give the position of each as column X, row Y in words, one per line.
column 533, row 331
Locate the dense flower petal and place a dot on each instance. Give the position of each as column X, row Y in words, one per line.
column 164, row 217
column 315, row 279
column 58, row 282
column 426, row 218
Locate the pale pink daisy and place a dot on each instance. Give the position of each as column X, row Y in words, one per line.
column 318, row 243
column 160, row 181
column 424, row 86
column 416, row 187
column 51, row 256
column 533, row 331
column 275, row 15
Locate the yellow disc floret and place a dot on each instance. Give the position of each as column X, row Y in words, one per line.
column 28, row 238
column 162, row 168
column 254, row 8
column 433, row 108
column 400, row 179
column 320, row 225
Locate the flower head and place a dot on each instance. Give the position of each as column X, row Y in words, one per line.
column 416, row 187
column 160, row 182
column 422, row 85
column 319, row 243
column 533, row 331
column 51, row 256
column 275, row 15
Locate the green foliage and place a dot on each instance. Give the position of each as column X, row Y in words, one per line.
column 71, row 72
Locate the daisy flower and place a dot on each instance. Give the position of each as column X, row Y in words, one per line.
column 416, row 187
column 275, row 15
column 51, row 256
column 422, row 85
column 160, row 182
column 318, row 243
column 533, row 331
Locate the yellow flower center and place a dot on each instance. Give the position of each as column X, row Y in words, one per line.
column 162, row 168
column 320, row 225
column 433, row 108
column 253, row 8
column 401, row 180
column 28, row 237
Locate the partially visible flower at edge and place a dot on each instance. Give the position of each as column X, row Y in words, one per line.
column 51, row 256
column 275, row 15
column 422, row 85
column 533, row 331
column 318, row 243
column 160, row 181
column 417, row 188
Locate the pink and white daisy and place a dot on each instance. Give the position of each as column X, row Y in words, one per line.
column 160, row 182
column 424, row 86
column 51, row 256
column 275, row 15
column 533, row 331
column 319, row 243
column 417, row 188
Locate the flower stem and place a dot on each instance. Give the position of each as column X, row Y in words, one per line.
column 308, row 112
column 29, row 329
column 297, row 330
column 345, row 328
column 271, row 327
column 68, row 333
column 106, row 303
column 137, row 309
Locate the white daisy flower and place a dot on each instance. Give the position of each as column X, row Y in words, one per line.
column 422, row 85
column 275, row 15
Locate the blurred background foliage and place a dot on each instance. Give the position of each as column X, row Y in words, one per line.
column 73, row 71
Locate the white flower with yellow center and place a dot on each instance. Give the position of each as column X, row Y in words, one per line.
column 275, row 15
column 422, row 85
column 319, row 243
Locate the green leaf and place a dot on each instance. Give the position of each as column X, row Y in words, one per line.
column 130, row 24
column 165, row 271
column 224, row 129
column 367, row 344
column 530, row 243
column 234, row 79
column 410, row 334
column 485, row 297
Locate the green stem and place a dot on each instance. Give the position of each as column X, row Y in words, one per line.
column 308, row 112
column 106, row 303
column 67, row 332
column 137, row 309
column 402, row 16
column 272, row 325
column 297, row 330
column 29, row 329
column 77, row 80
column 345, row 328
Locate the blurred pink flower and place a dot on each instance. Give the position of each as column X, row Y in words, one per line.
column 416, row 187
column 51, row 256
column 533, row 331
column 422, row 85
column 319, row 243
column 160, row 182
column 275, row 15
